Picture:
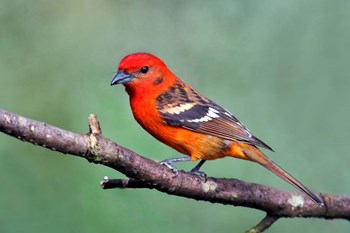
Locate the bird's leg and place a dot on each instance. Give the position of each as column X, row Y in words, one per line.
column 195, row 170
column 168, row 163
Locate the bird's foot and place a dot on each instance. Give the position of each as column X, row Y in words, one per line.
column 199, row 173
column 168, row 163
column 196, row 171
column 171, row 167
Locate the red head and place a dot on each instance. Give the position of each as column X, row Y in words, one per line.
column 143, row 72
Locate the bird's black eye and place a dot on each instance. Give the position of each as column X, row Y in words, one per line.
column 144, row 69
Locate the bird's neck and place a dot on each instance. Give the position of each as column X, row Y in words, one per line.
column 143, row 99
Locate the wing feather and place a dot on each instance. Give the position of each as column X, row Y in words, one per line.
column 182, row 106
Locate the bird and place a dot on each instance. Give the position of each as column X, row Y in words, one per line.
column 177, row 115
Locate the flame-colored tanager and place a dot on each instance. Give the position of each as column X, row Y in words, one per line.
column 177, row 115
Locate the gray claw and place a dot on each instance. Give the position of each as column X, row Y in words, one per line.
column 200, row 173
column 171, row 167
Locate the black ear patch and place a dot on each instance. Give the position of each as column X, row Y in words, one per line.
column 158, row 81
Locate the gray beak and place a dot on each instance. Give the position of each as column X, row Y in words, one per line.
column 121, row 77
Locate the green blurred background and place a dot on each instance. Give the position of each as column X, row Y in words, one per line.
column 282, row 68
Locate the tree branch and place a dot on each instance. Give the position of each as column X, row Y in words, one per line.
column 146, row 173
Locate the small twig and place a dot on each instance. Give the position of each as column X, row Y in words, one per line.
column 107, row 183
column 265, row 223
column 94, row 125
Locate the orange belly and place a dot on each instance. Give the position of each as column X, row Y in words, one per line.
column 196, row 145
